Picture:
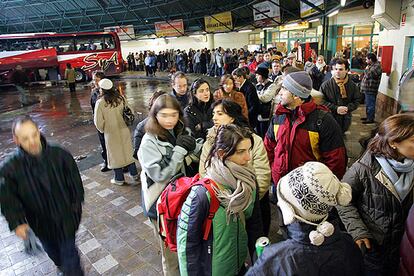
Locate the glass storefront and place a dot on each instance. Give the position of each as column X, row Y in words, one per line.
column 356, row 41
column 288, row 38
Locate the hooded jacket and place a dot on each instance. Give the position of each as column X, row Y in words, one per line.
column 46, row 192
column 308, row 133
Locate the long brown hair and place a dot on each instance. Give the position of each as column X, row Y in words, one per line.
column 112, row 97
column 224, row 79
column 394, row 129
column 152, row 126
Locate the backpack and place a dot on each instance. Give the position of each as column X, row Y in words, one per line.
column 171, row 201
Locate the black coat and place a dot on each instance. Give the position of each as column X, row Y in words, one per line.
column 333, row 99
column 199, row 118
column 338, row 255
column 376, row 212
column 252, row 101
column 46, row 192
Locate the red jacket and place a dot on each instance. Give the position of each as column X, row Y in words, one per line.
column 309, row 133
column 407, row 247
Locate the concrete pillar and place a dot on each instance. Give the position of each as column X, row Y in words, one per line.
column 210, row 41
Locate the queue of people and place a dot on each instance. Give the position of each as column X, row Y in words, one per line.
column 251, row 142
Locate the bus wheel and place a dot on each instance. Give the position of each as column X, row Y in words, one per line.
column 80, row 75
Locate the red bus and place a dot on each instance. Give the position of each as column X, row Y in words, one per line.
column 48, row 53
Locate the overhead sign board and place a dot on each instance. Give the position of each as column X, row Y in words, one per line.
column 219, row 22
column 306, row 10
column 294, row 26
column 170, row 28
column 266, row 9
column 123, row 32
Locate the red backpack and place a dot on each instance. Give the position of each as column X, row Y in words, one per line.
column 170, row 204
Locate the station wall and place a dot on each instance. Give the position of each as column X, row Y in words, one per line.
column 225, row 40
column 400, row 39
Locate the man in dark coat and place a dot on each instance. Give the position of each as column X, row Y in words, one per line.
column 369, row 86
column 41, row 188
column 341, row 95
column 179, row 83
column 250, row 93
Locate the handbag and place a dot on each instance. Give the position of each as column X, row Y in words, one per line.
column 128, row 115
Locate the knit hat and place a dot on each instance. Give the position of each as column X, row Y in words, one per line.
column 298, row 83
column 307, row 194
column 105, row 84
column 263, row 71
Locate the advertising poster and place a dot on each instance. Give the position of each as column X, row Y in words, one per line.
column 220, row 22
column 170, row 28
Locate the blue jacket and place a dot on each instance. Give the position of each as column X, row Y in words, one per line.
column 338, row 255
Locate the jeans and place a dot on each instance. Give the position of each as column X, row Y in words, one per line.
column 65, row 255
column 119, row 173
column 103, row 153
column 370, row 101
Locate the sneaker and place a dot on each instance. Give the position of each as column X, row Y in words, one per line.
column 116, row 182
column 104, row 168
column 135, row 180
column 368, row 122
column 363, row 119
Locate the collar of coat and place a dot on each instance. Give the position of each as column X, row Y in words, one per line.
column 302, row 111
column 369, row 161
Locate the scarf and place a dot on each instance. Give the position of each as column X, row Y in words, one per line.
column 320, row 66
column 240, row 181
column 341, row 84
column 404, row 183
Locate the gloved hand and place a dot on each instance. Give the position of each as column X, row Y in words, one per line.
column 187, row 142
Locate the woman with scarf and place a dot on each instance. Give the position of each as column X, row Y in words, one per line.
column 341, row 95
column 382, row 182
column 317, row 72
column 166, row 149
column 236, row 224
column 227, row 91
column 198, row 113
column 227, row 112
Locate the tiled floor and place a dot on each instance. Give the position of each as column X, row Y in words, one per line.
column 115, row 238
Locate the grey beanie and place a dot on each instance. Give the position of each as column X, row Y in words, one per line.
column 298, row 83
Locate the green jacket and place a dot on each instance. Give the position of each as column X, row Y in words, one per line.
column 227, row 247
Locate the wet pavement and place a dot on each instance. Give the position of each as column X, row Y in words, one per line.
column 114, row 237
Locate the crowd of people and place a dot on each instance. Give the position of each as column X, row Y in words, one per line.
column 272, row 131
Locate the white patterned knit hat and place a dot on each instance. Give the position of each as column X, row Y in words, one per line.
column 308, row 193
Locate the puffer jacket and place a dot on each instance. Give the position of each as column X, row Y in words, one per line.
column 259, row 160
column 160, row 161
column 338, row 255
column 407, row 248
column 199, row 118
column 376, row 212
column 308, row 133
column 226, row 248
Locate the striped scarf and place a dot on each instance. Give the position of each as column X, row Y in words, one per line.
column 341, row 84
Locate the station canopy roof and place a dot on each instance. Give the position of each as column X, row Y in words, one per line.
column 68, row 16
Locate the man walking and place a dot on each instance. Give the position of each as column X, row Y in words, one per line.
column 369, row 85
column 301, row 131
column 341, row 95
column 40, row 188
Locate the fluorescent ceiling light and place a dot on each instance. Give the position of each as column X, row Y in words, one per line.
column 172, row 37
column 245, row 31
column 291, row 25
column 333, row 13
column 343, row 3
column 195, row 35
column 314, row 20
column 267, row 28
